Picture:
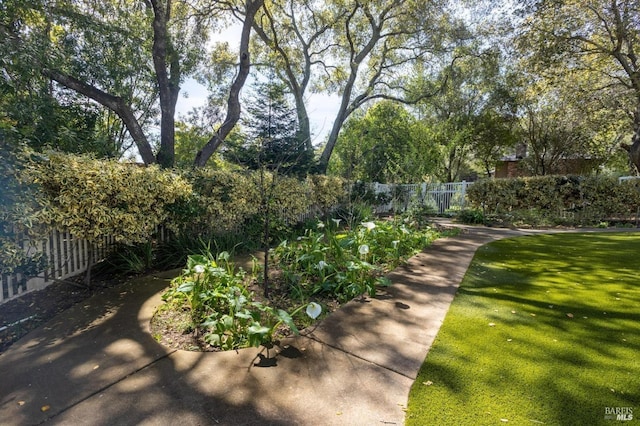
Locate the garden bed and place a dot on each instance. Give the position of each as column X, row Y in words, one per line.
column 212, row 306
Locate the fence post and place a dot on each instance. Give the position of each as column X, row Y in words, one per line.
column 463, row 203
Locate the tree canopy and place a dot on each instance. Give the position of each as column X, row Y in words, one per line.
column 595, row 42
column 104, row 77
column 128, row 57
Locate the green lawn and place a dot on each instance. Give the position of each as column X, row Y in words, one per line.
column 544, row 330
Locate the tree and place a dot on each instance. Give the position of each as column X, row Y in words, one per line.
column 42, row 114
column 382, row 145
column 561, row 124
column 470, row 118
column 271, row 136
column 493, row 135
column 357, row 49
column 295, row 39
column 233, row 102
column 128, row 63
column 600, row 37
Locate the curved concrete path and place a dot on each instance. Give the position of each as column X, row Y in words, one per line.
column 97, row 364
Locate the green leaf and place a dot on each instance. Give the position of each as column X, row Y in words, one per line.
column 244, row 315
column 196, row 259
column 286, row 318
column 258, row 329
column 213, row 339
column 186, row 287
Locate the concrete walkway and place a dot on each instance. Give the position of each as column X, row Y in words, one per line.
column 97, row 364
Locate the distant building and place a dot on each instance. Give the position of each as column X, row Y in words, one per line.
column 514, row 165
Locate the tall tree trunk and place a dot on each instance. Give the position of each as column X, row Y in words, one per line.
column 332, row 140
column 168, row 80
column 304, row 127
column 347, row 106
column 233, row 102
column 634, row 148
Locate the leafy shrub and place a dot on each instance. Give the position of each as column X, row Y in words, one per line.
column 354, row 212
column 346, row 264
column 471, row 216
column 221, row 306
column 94, row 199
column 327, row 192
column 228, row 200
column 548, row 199
column 128, row 259
column 221, row 200
column 421, row 214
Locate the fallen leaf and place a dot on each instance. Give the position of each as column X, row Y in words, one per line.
column 21, row 403
column 570, row 315
column 339, row 413
column 45, row 408
column 95, row 367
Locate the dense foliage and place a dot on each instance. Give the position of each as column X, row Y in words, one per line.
column 345, row 264
column 96, row 198
column 221, row 306
column 226, row 200
column 560, row 199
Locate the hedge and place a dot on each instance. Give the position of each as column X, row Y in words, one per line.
column 573, row 198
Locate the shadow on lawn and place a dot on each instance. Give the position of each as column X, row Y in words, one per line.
column 554, row 350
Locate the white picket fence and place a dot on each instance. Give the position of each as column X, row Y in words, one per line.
column 68, row 256
column 441, row 197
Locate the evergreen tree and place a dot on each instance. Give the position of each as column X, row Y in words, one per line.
column 271, row 133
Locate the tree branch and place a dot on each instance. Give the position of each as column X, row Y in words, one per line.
column 114, row 103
